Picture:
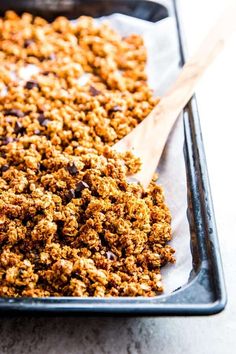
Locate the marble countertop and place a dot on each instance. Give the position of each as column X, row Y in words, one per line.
column 192, row 335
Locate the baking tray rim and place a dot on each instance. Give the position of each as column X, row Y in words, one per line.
column 141, row 305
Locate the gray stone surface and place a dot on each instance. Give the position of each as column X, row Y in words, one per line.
column 118, row 336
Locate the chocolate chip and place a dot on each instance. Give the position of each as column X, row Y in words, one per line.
column 94, row 91
column 42, row 167
column 7, row 140
column 3, row 154
column 103, row 240
column 76, row 193
column 41, row 118
column 19, row 129
column 60, row 225
column 21, row 272
column 70, row 195
column 18, row 126
column 72, row 169
column 79, row 188
column 43, row 121
column 4, row 168
column 14, row 112
column 111, row 256
column 115, row 109
column 28, row 42
column 31, row 84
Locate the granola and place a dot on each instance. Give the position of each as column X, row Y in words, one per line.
column 70, row 223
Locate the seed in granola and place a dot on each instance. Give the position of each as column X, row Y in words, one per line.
column 37, row 131
column 93, row 91
column 19, row 129
column 31, row 84
column 14, row 112
column 79, row 188
column 72, row 169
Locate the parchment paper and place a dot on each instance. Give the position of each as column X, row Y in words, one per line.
column 163, row 65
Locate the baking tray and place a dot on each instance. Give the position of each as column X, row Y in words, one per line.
column 205, row 292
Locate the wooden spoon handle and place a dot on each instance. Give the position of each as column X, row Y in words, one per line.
column 148, row 139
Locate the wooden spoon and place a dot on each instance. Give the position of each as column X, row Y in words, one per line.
column 148, row 139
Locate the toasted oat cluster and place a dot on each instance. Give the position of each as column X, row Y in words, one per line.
column 70, row 223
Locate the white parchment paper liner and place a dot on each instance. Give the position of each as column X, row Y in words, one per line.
column 163, row 64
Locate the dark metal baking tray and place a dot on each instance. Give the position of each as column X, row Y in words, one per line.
column 205, row 292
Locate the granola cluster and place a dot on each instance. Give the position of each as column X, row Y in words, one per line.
column 70, row 223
